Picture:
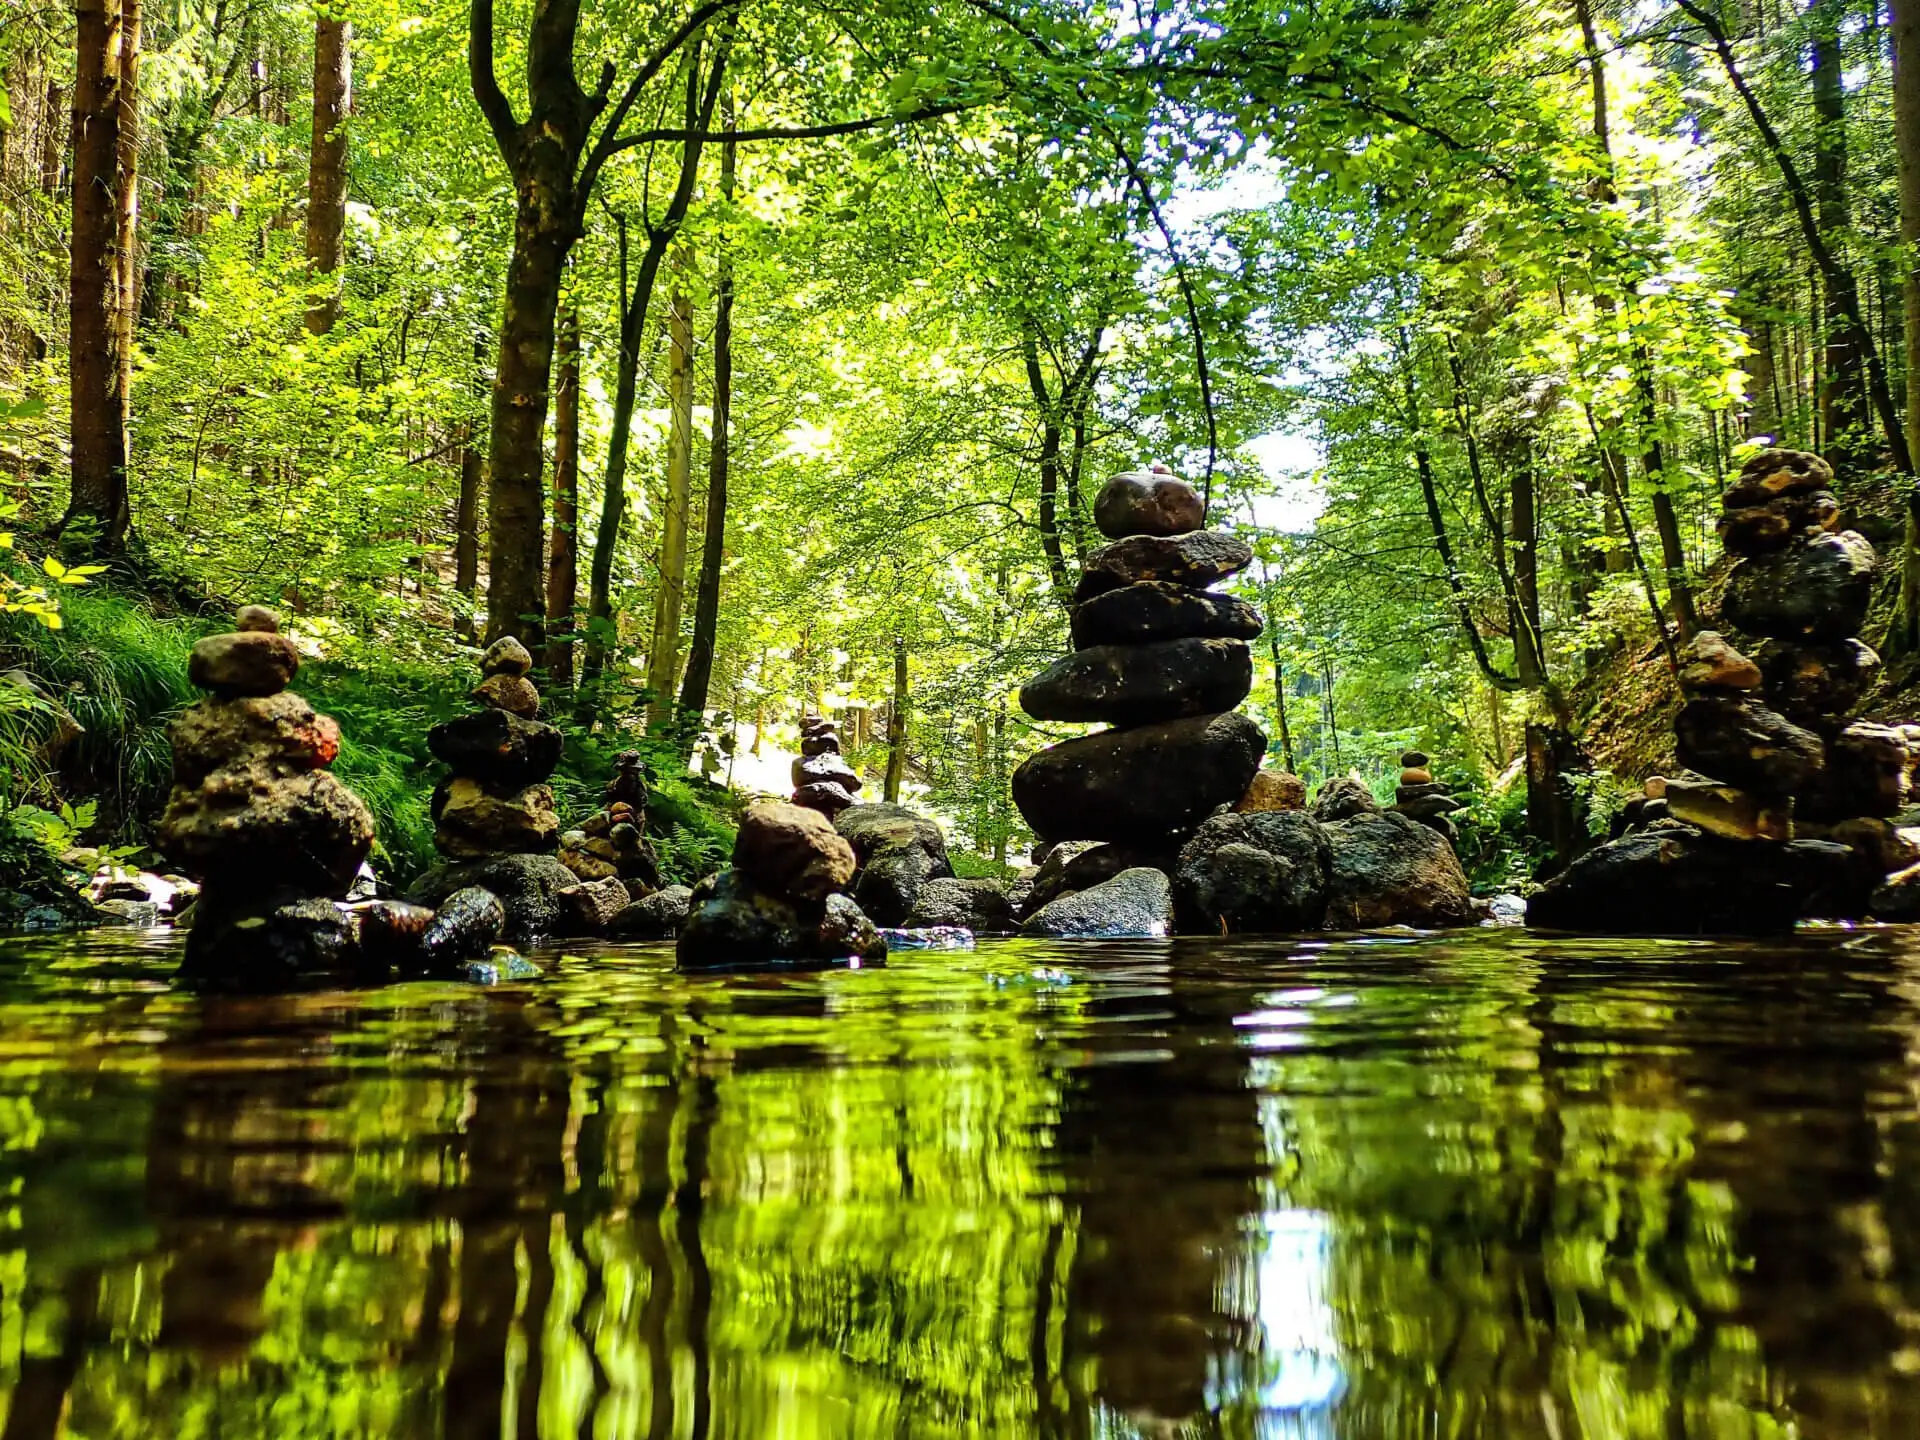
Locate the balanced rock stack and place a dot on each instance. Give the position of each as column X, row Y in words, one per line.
column 496, row 801
column 822, row 779
column 783, row 901
column 610, row 853
column 1420, row 797
column 256, row 817
column 1160, row 657
column 1764, row 734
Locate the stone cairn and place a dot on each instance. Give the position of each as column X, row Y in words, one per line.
column 1769, row 756
column 822, row 779
column 1420, row 797
column 610, row 851
column 254, row 814
column 1161, row 658
column 497, row 801
column 782, row 901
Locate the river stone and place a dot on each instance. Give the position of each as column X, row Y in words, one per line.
column 589, row 907
column 475, row 819
column 829, row 800
column 1742, row 743
column 828, row 768
column 1815, row 686
column 1723, row 810
column 265, row 941
column 1147, row 502
column 249, row 824
column 658, row 916
column 899, row 851
column 1343, row 797
column 1049, row 881
column 1710, row 663
column 1249, row 873
column 513, row 693
column 1886, row 846
column 1816, row 591
column 527, row 886
column 1389, row 870
column 1081, row 866
column 1138, row 684
column 981, row 906
column 1197, row 559
column 1273, row 790
column 1138, row 784
column 1674, row 880
column 391, row 932
column 277, row 734
column 1868, row 772
column 467, row 924
column 1158, row 610
column 248, row 662
column 732, row 922
column 506, row 656
column 793, row 851
column 1135, row 904
column 823, row 742
column 1757, row 529
column 498, row 746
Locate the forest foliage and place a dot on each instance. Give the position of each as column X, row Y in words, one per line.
column 740, row 350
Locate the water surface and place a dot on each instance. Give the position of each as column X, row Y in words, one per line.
column 1478, row 1185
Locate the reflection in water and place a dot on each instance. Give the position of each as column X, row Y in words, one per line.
column 1482, row 1185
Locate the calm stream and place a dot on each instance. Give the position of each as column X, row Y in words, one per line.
column 1481, row 1185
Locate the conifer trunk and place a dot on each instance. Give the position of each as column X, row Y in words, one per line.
column 126, row 211
column 1843, row 398
column 327, row 164
column 1906, row 117
column 97, row 426
column 897, row 725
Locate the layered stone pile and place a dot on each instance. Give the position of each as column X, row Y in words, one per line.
column 254, row 814
column 1420, row 797
column 1161, row 658
column 1784, row 806
column 783, row 900
column 610, row 854
column 822, row 778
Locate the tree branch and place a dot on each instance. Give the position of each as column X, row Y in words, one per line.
column 486, row 84
column 790, row 132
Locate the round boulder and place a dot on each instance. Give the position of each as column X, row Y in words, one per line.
column 1138, row 783
column 793, row 851
column 1147, row 502
column 1816, row 591
column 1253, row 873
column 981, row 906
column 733, row 923
column 1138, row 684
column 1197, row 560
column 899, row 851
column 245, row 662
column 281, row 734
column 1158, row 610
column 506, row 656
column 1135, row 904
column 1389, row 870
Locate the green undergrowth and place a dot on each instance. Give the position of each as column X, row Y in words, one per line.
column 117, row 669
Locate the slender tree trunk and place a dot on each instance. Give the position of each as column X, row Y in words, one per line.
column 1906, row 116
column 1049, row 468
column 466, row 521
column 327, row 164
column 663, row 658
column 897, row 725
column 98, row 426
column 1526, row 554
column 1280, row 694
column 563, row 571
column 713, row 552
column 126, row 208
column 1843, row 400
column 52, row 139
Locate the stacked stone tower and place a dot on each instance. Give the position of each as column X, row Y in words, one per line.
column 1161, row 658
column 254, row 814
column 496, row 801
column 822, row 779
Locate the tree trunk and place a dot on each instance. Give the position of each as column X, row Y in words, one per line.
column 1526, row 554
column 98, row 424
column 897, row 725
column 1049, row 468
column 1843, row 400
column 466, row 520
column 126, row 209
column 713, row 553
column 663, row 657
column 563, row 571
column 1906, row 114
column 1280, row 694
column 327, row 165
column 52, row 146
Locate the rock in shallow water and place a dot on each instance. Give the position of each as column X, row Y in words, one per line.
column 734, row 924
column 1389, row 870
column 1157, row 610
column 1141, row 783
column 467, row 925
column 263, row 942
column 980, row 906
column 1138, row 684
column 1135, row 904
column 527, row 886
column 899, row 851
column 1253, row 873
column 249, row 824
column 658, row 916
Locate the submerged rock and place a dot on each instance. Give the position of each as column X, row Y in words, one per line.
column 468, row 924
column 1134, row 904
column 528, row 887
column 1389, row 870
column 1140, row 783
column 980, row 906
column 1138, row 684
column 932, row 937
column 1253, row 873
column 269, row 942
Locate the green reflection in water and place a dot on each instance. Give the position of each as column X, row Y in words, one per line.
column 1481, row 1185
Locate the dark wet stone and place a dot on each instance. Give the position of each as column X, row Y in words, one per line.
column 1138, row 684
column 1815, row 686
column 475, row 819
column 1139, row 784
column 1158, row 610
column 793, row 851
column 1816, row 591
column 268, row 942
column 279, row 734
column 249, row 662
column 1198, row 559
column 1675, row 880
column 733, row 923
column 466, row 925
column 497, row 746
column 527, row 886
column 823, row 743
column 658, row 916
column 1342, row 797
column 980, row 906
column 1740, row 742
column 1868, row 772
column 506, row 656
column 391, row 932
column 899, row 851
column 1078, row 865
column 1251, row 873
column 1389, row 870
column 589, row 908
column 249, row 824
column 1147, row 502
column 1776, row 523
column 1135, row 903
column 826, row 768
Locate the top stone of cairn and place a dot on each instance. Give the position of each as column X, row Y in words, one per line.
column 506, row 656
column 1147, row 502
column 252, row 660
